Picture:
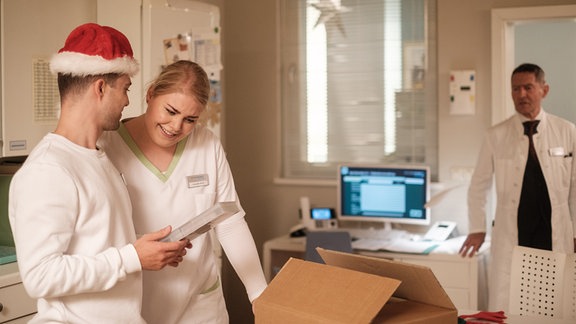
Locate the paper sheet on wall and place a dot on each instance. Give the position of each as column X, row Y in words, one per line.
column 207, row 51
column 463, row 92
column 178, row 48
column 204, row 49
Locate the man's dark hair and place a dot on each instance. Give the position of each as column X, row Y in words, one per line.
column 531, row 68
column 68, row 84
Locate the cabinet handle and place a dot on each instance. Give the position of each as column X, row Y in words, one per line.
column 1, row 307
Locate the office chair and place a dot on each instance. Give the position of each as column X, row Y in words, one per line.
column 330, row 240
column 543, row 283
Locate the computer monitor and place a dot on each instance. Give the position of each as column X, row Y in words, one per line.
column 383, row 193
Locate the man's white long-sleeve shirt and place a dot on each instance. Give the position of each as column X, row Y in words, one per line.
column 70, row 214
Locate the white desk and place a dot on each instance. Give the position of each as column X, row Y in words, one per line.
column 463, row 279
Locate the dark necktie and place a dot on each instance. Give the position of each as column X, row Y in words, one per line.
column 530, row 128
column 534, row 210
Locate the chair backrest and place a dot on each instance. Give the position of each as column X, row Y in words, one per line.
column 330, row 240
column 543, row 283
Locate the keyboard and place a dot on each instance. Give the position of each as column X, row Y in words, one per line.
column 401, row 245
column 368, row 244
column 381, row 235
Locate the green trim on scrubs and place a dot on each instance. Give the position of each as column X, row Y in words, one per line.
column 213, row 287
column 163, row 176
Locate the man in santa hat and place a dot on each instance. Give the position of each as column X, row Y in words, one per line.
column 69, row 208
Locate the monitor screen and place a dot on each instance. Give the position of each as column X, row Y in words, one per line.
column 384, row 193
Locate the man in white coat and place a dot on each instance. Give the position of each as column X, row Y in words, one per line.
column 546, row 220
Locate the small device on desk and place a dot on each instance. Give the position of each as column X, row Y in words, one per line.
column 323, row 217
column 298, row 231
column 317, row 217
column 441, row 231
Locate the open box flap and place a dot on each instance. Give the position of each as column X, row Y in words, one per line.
column 418, row 282
column 308, row 291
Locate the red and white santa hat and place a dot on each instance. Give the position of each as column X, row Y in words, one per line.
column 91, row 49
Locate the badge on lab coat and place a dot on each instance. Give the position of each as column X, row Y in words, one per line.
column 556, row 151
column 198, row 180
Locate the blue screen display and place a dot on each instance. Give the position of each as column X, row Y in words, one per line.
column 383, row 193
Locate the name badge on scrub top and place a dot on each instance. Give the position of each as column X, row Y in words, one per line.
column 198, row 180
column 556, row 151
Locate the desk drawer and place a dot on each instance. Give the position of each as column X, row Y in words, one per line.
column 16, row 303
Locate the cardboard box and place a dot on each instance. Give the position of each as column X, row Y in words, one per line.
column 351, row 288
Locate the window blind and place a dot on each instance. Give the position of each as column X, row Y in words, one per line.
column 358, row 84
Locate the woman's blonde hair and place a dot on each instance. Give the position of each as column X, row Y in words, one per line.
column 184, row 77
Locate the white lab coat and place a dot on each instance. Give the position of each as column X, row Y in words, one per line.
column 190, row 293
column 502, row 159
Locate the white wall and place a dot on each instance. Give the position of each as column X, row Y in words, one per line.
column 29, row 33
column 551, row 45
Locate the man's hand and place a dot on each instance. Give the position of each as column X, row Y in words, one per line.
column 155, row 255
column 472, row 244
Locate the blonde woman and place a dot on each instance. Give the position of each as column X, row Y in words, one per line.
column 175, row 169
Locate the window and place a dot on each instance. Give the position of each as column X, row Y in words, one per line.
column 358, row 84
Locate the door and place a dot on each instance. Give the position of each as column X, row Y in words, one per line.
column 531, row 34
